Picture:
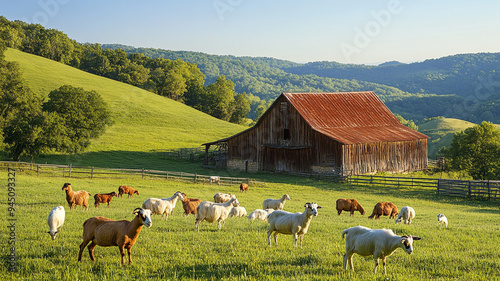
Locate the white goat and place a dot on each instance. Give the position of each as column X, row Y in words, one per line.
column 214, row 179
column 211, row 212
column 163, row 206
column 442, row 220
column 288, row 223
column 238, row 212
column 380, row 243
column 56, row 220
column 260, row 214
column 223, row 197
column 407, row 214
column 276, row 204
column 106, row 232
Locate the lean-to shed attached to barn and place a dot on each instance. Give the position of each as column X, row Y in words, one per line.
column 348, row 132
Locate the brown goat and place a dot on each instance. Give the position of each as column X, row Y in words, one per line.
column 76, row 198
column 384, row 209
column 123, row 189
column 190, row 205
column 243, row 187
column 104, row 198
column 107, row 232
column 349, row 205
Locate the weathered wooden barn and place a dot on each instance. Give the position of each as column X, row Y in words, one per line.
column 348, row 133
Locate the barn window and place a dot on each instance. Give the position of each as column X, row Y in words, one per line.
column 286, row 134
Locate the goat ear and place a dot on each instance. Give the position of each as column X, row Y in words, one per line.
column 319, row 207
column 48, row 232
column 306, row 205
column 416, row 238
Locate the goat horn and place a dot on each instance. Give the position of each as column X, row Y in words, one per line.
column 136, row 211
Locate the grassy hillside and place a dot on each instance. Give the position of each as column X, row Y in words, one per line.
column 143, row 121
column 441, row 132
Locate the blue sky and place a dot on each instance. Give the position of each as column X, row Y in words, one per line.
column 347, row 31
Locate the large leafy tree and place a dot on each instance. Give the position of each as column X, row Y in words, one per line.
column 476, row 151
column 219, row 98
column 241, row 108
column 84, row 114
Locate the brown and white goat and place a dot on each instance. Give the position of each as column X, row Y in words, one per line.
column 104, row 198
column 76, row 198
column 349, row 205
column 106, row 232
column 123, row 189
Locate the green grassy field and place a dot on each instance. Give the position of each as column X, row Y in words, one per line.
column 144, row 122
column 173, row 250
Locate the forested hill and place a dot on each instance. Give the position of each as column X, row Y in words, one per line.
column 459, row 74
column 263, row 77
column 462, row 86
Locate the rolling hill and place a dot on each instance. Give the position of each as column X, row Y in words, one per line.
column 143, row 121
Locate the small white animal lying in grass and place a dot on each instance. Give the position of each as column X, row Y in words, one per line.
column 442, row 220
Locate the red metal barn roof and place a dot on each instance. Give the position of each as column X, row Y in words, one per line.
column 351, row 117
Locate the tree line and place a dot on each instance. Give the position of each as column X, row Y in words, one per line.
column 175, row 79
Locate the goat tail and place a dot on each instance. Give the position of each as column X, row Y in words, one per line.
column 344, row 233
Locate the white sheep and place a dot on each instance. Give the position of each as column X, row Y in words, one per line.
column 55, row 220
column 214, row 179
column 379, row 243
column 164, row 206
column 442, row 220
column 223, row 197
column 288, row 223
column 260, row 214
column 211, row 212
column 276, row 204
column 106, row 232
column 238, row 211
column 407, row 214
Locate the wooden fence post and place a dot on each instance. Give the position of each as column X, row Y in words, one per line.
column 489, row 191
column 70, row 170
column 37, row 170
column 195, row 177
column 142, row 173
column 92, row 172
column 167, row 175
column 439, row 182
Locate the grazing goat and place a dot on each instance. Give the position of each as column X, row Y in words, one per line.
column 76, row 198
column 238, row 212
column 164, row 206
column 385, row 209
column 104, row 198
column 243, row 187
column 407, row 214
column 214, row 179
column 123, row 189
column 379, row 243
column 211, row 212
column 277, row 204
column 260, row 214
column 442, row 220
column 190, row 204
column 287, row 223
column 105, row 232
column 55, row 220
column 349, row 205
column 223, row 197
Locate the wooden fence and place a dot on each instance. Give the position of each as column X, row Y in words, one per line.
column 474, row 189
column 392, row 181
column 489, row 190
column 94, row 173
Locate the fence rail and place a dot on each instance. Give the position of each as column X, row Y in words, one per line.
column 94, row 172
column 474, row 189
column 393, row 181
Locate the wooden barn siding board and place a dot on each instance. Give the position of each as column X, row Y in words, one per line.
column 388, row 156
